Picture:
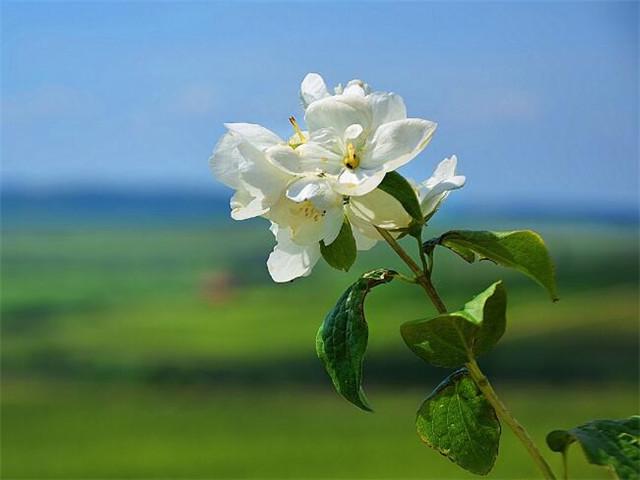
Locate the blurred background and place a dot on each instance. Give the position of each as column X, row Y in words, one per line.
column 141, row 334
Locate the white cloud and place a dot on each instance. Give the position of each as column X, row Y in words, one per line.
column 493, row 104
column 194, row 100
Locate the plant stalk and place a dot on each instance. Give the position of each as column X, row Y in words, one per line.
column 423, row 278
column 489, row 393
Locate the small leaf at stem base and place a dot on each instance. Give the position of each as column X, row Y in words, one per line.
column 610, row 443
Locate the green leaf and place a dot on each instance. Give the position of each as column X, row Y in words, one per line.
column 451, row 339
column 342, row 339
column 397, row 186
column 457, row 421
column 610, row 443
column 341, row 254
column 523, row 250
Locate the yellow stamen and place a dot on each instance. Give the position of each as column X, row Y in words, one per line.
column 296, row 128
column 351, row 160
column 308, row 210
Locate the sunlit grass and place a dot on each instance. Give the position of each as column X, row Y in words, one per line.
column 67, row 430
column 120, row 349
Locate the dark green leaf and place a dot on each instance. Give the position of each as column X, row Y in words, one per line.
column 612, row 443
column 523, row 250
column 451, row 339
column 342, row 339
column 341, row 254
column 397, row 186
column 457, row 421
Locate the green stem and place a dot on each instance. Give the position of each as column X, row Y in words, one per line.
column 423, row 258
column 489, row 393
column 406, row 279
column 423, row 277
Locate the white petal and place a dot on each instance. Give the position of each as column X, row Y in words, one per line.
column 244, row 205
column 445, row 169
column 362, row 241
column 308, row 158
column 444, row 178
column 329, row 139
column 356, row 87
column 261, row 175
column 316, row 158
column 311, row 209
column 289, row 160
column 364, row 232
column 447, row 185
column 386, row 107
column 432, row 203
column 436, row 189
column 332, row 225
column 291, row 215
column 312, row 88
column 241, row 166
column 226, row 162
column 358, row 181
column 338, row 112
column 306, row 189
column 289, row 260
column 256, row 135
column 353, row 132
column 380, row 209
column 398, row 142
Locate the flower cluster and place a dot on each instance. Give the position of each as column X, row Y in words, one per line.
column 322, row 179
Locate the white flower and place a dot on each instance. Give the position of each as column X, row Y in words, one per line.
column 382, row 210
column 310, row 185
column 304, row 209
column 354, row 136
column 239, row 162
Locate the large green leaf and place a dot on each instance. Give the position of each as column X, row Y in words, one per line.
column 451, row 339
column 398, row 187
column 612, row 443
column 457, row 421
column 342, row 252
column 523, row 250
column 342, row 339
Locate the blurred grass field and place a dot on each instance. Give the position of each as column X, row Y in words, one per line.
column 150, row 351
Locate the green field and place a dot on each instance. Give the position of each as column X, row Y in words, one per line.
column 155, row 352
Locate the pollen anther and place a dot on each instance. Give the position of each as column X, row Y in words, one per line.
column 296, row 129
column 351, row 160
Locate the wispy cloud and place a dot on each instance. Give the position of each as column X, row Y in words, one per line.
column 494, row 104
column 193, row 100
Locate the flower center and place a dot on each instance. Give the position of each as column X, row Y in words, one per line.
column 308, row 210
column 296, row 128
column 351, row 160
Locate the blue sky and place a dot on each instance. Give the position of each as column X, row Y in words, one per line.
column 539, row 100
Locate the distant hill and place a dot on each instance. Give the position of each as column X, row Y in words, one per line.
column 24, row 208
